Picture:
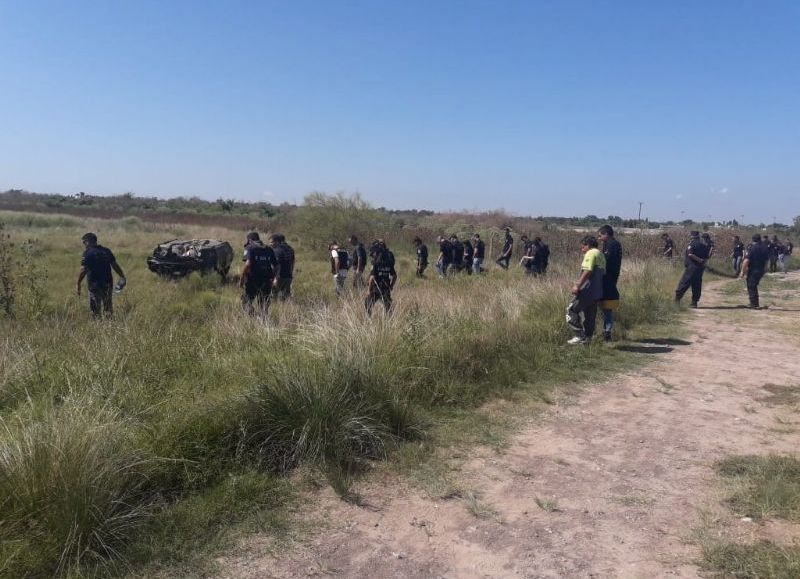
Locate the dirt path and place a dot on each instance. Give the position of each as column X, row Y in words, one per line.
column 621, row 475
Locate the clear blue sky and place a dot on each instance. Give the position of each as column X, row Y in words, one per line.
column 555, row 108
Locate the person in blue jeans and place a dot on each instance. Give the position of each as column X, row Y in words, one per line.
column 478, row 256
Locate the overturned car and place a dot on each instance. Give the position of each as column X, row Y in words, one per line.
column 180, row 257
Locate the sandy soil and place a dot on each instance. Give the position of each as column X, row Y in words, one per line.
column 622, row 475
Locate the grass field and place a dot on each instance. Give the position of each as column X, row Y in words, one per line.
column 130, row 445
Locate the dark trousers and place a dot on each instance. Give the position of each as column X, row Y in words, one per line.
column 503, row 261
column 753, row 278
column 421, row 267
column 100, row 301
column 773, row 263
column 692, row 278
column 259, row 291
column 283, row 288
column 376, row 295
column 582, row 315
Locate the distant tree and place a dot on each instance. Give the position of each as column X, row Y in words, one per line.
column 323, row 218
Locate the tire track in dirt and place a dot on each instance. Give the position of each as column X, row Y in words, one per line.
column 623, row 472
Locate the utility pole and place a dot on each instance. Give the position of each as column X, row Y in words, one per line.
column 640, row 217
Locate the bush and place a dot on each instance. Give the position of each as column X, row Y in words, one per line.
column 72, row 485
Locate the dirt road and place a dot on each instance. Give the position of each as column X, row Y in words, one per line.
column 612, row 484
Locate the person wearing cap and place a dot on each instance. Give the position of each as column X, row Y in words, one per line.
column 258, row 274
column 508, row 249
column 284, row 253
column 422, row 257
column 737, row 255
column 694, row 263
column 340, row 263
column 479, row 255
column 382, row 278
column 96, row 265
column 587, row 291
column 612, row 251
column 753, row 268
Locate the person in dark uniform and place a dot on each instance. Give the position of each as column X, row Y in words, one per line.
column 479, row 255
column 541, row 252
column 382, row 278
column 359, row 262
column 694, row 263
column 612, row 250
column 258, row 274
column 422, row 256
column 706, row 238
column 469, row 253
column 445, row 256
column 96, row 265
column 753, row 268
column 669, row 247
column 508, row 249
column 457, row 262
column 737, row 255
column 772, row 247
column 284, row 253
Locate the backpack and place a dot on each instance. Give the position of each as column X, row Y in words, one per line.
column 344, row 259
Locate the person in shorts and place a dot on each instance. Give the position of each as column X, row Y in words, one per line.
column 96, row 265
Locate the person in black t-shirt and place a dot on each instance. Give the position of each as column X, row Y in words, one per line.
column 737, row 255
column 526, row 261
column 382, row 278
column 359, row 262
column 753, row 268
column 612, row 250
column 457, row 248
column 706, row 238
column 772, row 247
column 96, row 265
column 445, row 256
column 258, row 274
column 541, row 256
column 669, row 247
column 694, row 263
column 479, row 255
column 508, row 249
column 422, row 256
column 469, row 252
column 284, row 253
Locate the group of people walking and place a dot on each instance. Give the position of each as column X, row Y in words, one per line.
column 749, row 262
column 268, row 270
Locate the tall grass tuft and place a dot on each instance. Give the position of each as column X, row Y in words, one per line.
column 72, row 487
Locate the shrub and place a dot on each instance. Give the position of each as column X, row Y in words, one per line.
column 72, row 486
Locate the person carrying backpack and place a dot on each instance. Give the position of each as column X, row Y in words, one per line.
column 340, row 263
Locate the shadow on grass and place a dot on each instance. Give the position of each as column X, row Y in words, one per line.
column 664, row 341
column 645, row 349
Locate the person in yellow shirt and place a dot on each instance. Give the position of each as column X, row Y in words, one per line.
column 587, row 291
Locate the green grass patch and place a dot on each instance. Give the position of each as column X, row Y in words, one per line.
column 760, row 560
column 763, row 486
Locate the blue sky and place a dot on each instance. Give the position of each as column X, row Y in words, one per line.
column 555, row 108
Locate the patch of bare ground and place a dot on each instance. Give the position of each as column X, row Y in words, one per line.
column 616, row 483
